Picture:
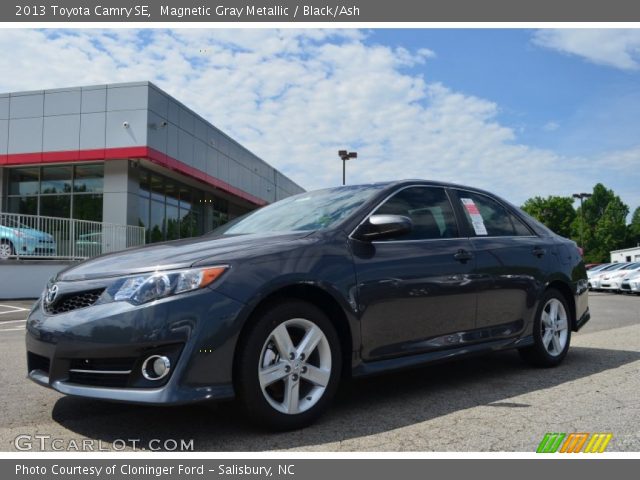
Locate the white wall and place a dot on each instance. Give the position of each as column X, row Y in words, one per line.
column 28, row 278
column 631, row 255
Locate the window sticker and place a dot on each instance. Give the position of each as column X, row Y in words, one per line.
column 474, row 214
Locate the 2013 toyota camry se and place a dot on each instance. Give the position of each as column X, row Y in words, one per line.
column 277, row 306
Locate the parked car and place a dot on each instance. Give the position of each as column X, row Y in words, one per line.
column 89, row 245
column 611, row 281
column 275, row 307
column 631, row 283
column 591, row 266
column 598, row 268
column 22, row 241
column 595, row 279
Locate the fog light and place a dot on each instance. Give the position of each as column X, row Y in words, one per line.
column 156, row 367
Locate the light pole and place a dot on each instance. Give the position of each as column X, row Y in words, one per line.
column 581, row 196
column 344, row 155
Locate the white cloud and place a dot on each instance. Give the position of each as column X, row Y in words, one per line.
column 295, row 97
column 551, row 126
column 619, row 48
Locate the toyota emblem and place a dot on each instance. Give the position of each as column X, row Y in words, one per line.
column 52, row 292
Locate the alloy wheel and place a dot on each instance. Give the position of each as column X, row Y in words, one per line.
column 5, row 251
column 294, row 366
column 554, row 327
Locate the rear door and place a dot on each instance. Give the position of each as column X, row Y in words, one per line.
column 415, row 291
column 511, row 258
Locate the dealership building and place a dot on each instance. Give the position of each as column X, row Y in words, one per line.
column 127, row 154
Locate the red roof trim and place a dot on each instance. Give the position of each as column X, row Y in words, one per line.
column 148, row 153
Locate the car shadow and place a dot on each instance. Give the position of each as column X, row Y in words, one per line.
column 363, row 406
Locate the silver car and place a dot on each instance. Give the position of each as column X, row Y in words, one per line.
column 631, row 283
column 595, row 279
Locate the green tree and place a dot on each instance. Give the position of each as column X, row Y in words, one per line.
column 555, row 212
column 633, row 230
column 601, row 223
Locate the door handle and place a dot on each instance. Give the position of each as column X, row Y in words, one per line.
column 463, row 255
column 539, row 251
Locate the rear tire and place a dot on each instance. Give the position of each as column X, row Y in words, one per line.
column 551, row 331
column 288, row 366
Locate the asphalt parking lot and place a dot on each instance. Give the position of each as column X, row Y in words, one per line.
column 492, row 403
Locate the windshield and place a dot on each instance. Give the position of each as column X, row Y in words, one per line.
column 305, row 212
column 618, row 266
column 599, row 267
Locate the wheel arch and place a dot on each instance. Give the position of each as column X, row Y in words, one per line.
column 315, row 295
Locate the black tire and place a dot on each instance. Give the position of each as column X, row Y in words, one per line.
column 250, row 357
column 537, row 354
column 12, row 250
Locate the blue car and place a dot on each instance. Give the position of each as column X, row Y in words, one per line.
column 21, row 240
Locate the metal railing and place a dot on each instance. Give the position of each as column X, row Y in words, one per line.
column 32, row 236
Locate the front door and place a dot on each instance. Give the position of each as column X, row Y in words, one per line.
column 415, row 291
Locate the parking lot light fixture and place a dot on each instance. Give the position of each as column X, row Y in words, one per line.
column 344, row 156
column 582, row 196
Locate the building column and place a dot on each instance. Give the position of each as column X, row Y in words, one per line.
column 120, row 200
column 2, row 192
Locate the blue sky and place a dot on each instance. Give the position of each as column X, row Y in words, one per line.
column 553, row 99
column 521, row 112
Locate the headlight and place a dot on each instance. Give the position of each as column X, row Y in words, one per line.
column 153, row 286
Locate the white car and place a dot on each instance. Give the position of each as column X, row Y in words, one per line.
column 595, row 278
column 631, row 283
column 612, row 280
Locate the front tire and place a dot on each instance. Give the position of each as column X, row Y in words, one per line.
column 551, row 331
column 6, row 249
column 288, row 366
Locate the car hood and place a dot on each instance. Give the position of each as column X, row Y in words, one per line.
column 204, row 250
column 31, row 232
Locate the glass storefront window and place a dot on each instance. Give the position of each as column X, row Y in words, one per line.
column 143, row 212
column 24, row 181
column 171, row 191
column 88, row 179
column 156, row 183
column 145, row 187
column 56, row 180
column 175, row 210
column 55, row 206
column 156, row 222
column 87, row 207
column 58, row 191
column 173, row 222
column 23, row 205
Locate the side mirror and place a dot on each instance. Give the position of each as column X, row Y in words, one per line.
column 378, row 227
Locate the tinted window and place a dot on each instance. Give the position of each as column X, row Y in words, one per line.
column 429, row 210
column 488, row 218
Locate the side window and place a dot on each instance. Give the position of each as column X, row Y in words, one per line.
column 488, row 218
column 428, row 208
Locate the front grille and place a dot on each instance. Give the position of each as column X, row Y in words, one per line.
column 625, row 286
column 98, row 379
column 37, row 362
column 101, row 372
column 74, row 301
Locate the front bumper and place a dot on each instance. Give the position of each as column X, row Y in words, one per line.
column 610, row 285
column 98, row 351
